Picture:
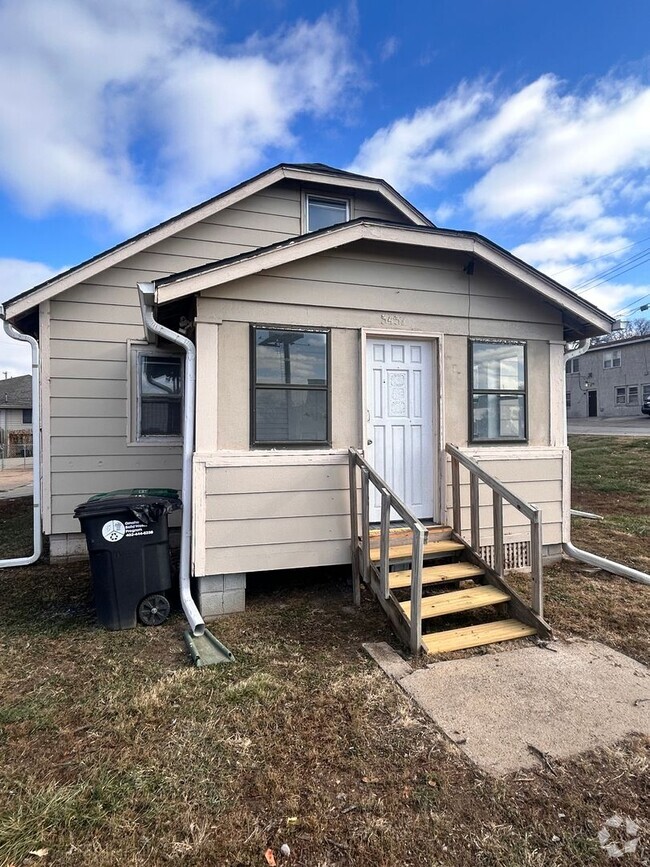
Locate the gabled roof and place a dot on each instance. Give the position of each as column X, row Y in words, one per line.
column 581, row 317
column 16, row 393
column 305, row 172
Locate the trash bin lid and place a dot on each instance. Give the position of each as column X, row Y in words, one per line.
column 169, row 493
column 147, row 509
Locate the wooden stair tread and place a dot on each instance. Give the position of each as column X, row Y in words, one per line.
column 476, row 636
column 458, row 600
column 401, row 552
column 436, row 575
column 439, row 531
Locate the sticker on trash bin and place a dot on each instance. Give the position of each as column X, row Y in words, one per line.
column 113, row 531
column 135, row 528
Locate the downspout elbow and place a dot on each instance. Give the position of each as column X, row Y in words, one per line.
column 602, row 563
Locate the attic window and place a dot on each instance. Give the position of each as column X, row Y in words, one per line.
column 322, row 213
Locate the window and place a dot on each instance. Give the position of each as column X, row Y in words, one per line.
column 612, row 358
column 646, row 392
column 573, row 365
column 159, row 395
column 27, row 416
column 568, row 399
column 290, row 387
column 620, row 395
column 326, row 212
column 498, row 392
column 633, row 395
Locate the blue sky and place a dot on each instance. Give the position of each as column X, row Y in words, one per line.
column 528, row 122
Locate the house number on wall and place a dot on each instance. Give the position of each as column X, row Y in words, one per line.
column 392, row 319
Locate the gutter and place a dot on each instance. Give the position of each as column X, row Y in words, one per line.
column 146, row 294
column 585, row 556
column 15, row 334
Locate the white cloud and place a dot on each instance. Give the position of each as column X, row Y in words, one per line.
column 131, row 110
column 389, row 48
column 17, row 275
column 562, row 173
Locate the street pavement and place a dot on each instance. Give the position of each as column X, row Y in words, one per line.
column 632, row 426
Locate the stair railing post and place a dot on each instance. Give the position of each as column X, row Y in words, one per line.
column 475, row 537
column 416, row 589
column 354, row 528
column 365, row 524
column 536, row 563
column 455, row 495
column 497, row 523
column 384, row 542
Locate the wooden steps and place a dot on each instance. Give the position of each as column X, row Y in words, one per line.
column 488, row 590
column 458, row 600
column 476, row 636
column 431, row 549
column 436, row 575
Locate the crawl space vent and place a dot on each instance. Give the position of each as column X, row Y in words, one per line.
column 516, row 555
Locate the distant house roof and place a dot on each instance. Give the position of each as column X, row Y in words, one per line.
column 616, row 344
column 16, row 393
column 581, row 318
column 303, row 172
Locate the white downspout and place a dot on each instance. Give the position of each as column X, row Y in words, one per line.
column 585, row 556
column 13, row 332
column 147, row 293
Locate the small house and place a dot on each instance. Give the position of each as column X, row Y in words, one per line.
column 340, row 338
column 15, row 420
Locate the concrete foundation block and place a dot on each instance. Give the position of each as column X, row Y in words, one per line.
column 221, row 594
column 68, row 546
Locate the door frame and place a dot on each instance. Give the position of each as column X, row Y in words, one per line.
column 437, row 403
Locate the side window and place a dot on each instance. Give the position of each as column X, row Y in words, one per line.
column 27, row 416
column 158, row 379
column 620, row 395
column 611, row 358
column 633, row 395
column 573, row 365
column 498, row 391
column 290, row 387
column 322, row 212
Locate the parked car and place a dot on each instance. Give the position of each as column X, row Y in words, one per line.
column 645, row 409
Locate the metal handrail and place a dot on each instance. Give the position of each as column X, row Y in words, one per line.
column 499, row 493
column 389, row 502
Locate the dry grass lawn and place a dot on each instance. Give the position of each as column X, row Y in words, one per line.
column 114, row 751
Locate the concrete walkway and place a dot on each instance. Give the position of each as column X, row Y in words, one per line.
column 528, row 706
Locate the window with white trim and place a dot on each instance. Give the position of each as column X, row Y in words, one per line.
column 620, row 395
column 498, row 391
column 158, row 378
column 611, row 358
column 646, row 391
column 633, row 395
column 323, row 212
column 573, row 365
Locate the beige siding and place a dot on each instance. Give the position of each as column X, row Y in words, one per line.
column 534, row 475
column 264, row 510
column 90, row 325
column 300, row 518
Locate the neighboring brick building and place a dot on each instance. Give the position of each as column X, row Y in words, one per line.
column 610, row 379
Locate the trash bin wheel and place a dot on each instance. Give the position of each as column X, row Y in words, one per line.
column 154, row 609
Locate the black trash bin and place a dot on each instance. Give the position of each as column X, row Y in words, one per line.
column 128, row 543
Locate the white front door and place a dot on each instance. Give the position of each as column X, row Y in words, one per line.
column 399, row 431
